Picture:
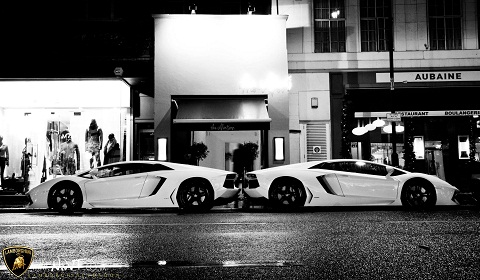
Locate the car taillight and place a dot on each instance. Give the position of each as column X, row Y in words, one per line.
column 230, row 181
column 252, row 182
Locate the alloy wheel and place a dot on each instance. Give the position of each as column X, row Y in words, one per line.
column 65, row 199
column 287, row 194
column 418, row 195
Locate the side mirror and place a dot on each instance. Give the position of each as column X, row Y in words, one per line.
column 390, row 171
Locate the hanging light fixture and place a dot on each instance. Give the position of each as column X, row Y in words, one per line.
column 370, row 127
column 387, row 129
column 335, row 13
column 359, row 130
column 378, row 122
column 400, row 128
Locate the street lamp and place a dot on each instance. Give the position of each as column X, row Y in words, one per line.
column 392, row 88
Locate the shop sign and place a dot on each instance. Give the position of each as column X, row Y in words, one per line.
column 394, row 117
column 222, row 127
column 403, row 114
column 447, row 76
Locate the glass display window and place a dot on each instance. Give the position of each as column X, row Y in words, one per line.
column 46, row 142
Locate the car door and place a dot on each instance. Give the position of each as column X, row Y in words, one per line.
column 368, row 180
column 122, row 181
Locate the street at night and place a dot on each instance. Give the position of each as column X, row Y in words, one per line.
column 240, row 139
column 319, row 243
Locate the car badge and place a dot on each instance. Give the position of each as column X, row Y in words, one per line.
column 17, row 259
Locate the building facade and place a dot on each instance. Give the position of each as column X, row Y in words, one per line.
column 339, row 60
column 328, row 74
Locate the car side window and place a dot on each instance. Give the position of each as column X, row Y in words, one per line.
column 105, row 172
column 324, row 165
column 158, row 167
column 397, row 172
column 128, row 169
column 362, row 168
column 375, row 169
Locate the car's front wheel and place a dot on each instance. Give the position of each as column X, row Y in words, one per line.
column 195, row 194
column 287, row 193
column 65, row 198
column 418, row 194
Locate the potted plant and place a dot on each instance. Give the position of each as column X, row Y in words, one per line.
column 196, row 152
column 250, row 150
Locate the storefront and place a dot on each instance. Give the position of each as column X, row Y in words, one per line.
column 223, row 124
column 437, row 130
column 221, row 80
column 57, row 127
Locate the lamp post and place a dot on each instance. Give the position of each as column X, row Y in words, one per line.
column 392, row 87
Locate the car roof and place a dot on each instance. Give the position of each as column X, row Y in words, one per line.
column 309, row 164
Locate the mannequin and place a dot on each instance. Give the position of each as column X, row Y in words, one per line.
column 3, row 159
column 93, row 143
column 26, row 162
column 110, row 151
column 69, row 156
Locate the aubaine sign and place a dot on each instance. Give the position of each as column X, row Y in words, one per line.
column 415, row 77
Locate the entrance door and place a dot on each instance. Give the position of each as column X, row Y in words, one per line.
column 434, row 163
column 222, row 144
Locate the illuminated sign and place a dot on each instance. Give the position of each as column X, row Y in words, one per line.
column 447, row 76
column 406, row 114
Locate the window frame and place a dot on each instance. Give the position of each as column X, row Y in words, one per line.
column 438, row 37
column 381, row 26
column 337, row 32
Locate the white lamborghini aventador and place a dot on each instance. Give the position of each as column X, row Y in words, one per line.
column 137, row 184
column 347, row 183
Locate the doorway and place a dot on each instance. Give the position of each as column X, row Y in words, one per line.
column 434, row 159
column 222, row 144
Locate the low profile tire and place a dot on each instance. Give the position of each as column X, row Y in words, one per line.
column 195, row 194
column 418, row 194
column 65, row 198
column 287, row 193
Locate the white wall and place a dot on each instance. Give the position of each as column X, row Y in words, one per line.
column 222, row 55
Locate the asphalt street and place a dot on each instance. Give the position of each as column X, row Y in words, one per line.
column 332, row 243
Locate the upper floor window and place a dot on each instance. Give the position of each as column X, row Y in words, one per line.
column 445, row 24
column 374, row 17
column 329, row 20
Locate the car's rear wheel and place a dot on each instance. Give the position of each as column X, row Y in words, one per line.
column 195, row 194
column 287, row 193
column 418, row 194
column 65, row 197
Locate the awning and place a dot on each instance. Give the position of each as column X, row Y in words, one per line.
column 232, row 113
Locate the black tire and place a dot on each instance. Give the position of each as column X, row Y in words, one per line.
column 65, row 197
column 195, row 194
column 287, row 193
column 418, row 194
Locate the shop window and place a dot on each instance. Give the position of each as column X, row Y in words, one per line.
column 329, row 26
column 374, row 16
column 445, row 24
